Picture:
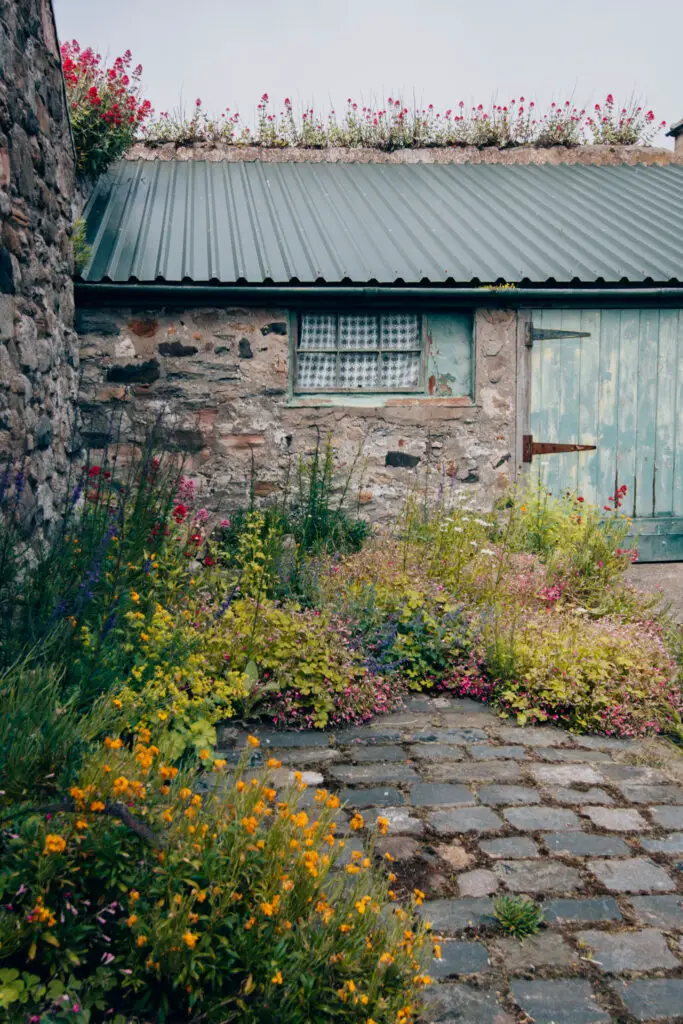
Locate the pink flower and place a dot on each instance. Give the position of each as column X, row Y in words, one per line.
column 198, row 102
column 225, row 522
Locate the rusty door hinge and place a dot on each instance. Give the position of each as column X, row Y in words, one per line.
column 531, row 448
column 548, row 334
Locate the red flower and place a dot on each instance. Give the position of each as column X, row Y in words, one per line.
column 94, row 471
column 579, row 499
column 209, row 560
column 197, row 102
column 179, row 513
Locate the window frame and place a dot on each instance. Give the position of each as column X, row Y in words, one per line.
column 338, row 389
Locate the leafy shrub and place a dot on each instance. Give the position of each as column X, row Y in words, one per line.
column 140, row 895
column 599, row 676
column 105, row 106
column 518, row 916
column 81, row 249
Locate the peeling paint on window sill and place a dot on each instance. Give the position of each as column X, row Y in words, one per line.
column 379, row 401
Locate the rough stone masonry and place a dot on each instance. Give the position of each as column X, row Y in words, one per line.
column 216, row 381
column 38, row 347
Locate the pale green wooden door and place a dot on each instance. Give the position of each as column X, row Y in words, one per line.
column 614, row 380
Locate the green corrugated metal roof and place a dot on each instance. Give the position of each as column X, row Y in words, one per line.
column 332, row 223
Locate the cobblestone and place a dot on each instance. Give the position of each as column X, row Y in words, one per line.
column 559, row 1002
column 621, row 819
column 466, row 819
column 456, row 915
column 460, row 958
column 536, row 951
column 639, row 874
column 538, row 876
column 565, row 774
column 440, row 794
column 538, row 736
column 537, row 819
column 667, row 817
column 574, row 797
column 508, row 795
column 516, row 846
column 436, row 752
column 670, row 844
column 484, row 752
column 371, row 797
column 476, row 771
column 463, row 1003
column 638, row 794
column 477, row 883
column 586, row 844
column 360, row 774
column 615, row 953
column 401, row 822
column 663, row 911
column 596, row 908
column 574, row 756
column 381, row 752
column 651, row 1000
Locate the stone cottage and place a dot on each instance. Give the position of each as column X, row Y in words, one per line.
column 452, row 315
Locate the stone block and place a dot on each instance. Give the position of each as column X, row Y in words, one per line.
column 475, row 771
column 270, row 738
column 456, row 915
column 565, row 774
column 465, row 819
column 379, row 797
column 535, row 736
column 459, row 958
column 545, row 950
column 541, row 819
column 620, row 819
column 538, row 876
column 667, row 817
column 651, row 794
column 447, row 736
column 477, row 883
column 515, row 846
column 455, row 855
column 573, row 797
column 485, row 752
column 573, row 756
column 495, row 795
column 401, row 822
column 436, row 752
column 362, row 774
column 448, row 1003
column 670, row 844
column 586, row 844
column 593, row 909
column 381, row 752
column 638, row 874
column 662, row 911
column 440, row 794
column 400, row 848
column 365, row 734
column 652, row 999
column 637, row 774
column 568, row 1001
column 645, row 950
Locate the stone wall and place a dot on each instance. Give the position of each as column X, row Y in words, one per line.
column 38, row 347
column 217, row 382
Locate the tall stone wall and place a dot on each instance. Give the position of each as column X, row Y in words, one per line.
column 38, row 347
column 216, row 381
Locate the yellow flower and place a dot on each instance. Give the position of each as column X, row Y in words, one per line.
column 81, row 824
column 97, row 805
column 115, row 744
column 386, row 959
column 344, row 928
column 277, row 978
column 422, row 979
column 134, row 597
column 200, row 895
column 273, row 762
column 332, row 802
column 117, row 703
column 141, row 940
column 54, row 843
column 356, row 822
column 219, row 763
column 77, row 793
column 300, row 819
column 185, row 793
column 249, row 923
column 190, row 939
column 162, row 715
column 437, row 950
column 353, row 869
column 204, row 754
column 167, row 817
column 133, row 895
column 419, row 897
column 253, row 741
column 382, row 825
column 131, row 920
column 120, row 785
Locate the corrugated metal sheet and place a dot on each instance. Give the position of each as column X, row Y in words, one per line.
column 286, row 223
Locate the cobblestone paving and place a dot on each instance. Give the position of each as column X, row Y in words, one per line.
column 477, row 808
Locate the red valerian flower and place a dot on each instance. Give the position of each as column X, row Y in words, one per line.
column 209, row 560
column 179, row 513
column 94, row 471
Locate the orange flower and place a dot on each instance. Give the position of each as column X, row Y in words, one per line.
column 253, row 741
column 97, row 805
column 54, row 843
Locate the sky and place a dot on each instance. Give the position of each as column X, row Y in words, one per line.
column 434, row 51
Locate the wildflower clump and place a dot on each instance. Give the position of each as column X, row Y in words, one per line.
column 202, row 894
column 106, row 108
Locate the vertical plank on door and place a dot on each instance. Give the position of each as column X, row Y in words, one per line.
column 647, row 404
column 608, row 376
column 665, row 430
column 625, row 454
column 588, row 404
column 678, row 420
column 568, row 423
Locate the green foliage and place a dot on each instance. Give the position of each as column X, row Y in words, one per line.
column 518, row 916
column 225, row 906
column 81, row 249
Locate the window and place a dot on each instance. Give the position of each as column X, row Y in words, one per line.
column 359, row 352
